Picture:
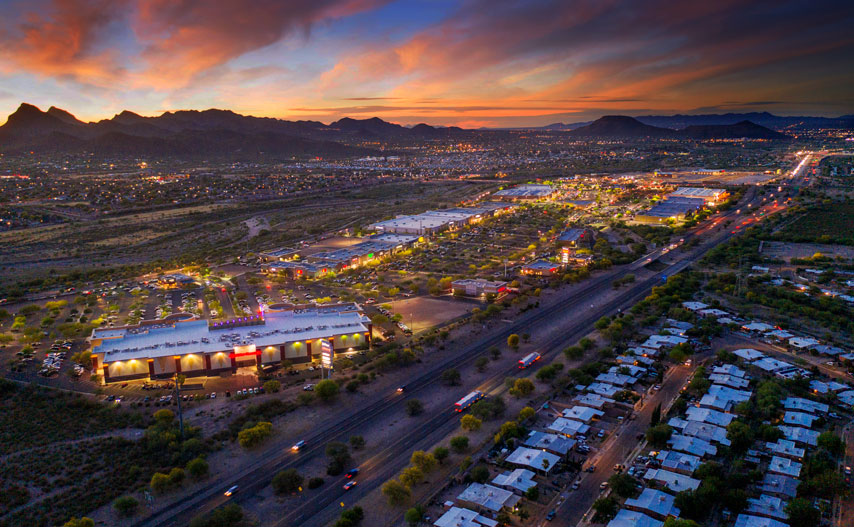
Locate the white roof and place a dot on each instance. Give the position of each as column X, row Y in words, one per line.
column 799, row 434
column 617, row 379
column 747, row 520
column 678, row 460
column 804, row 405
column 694, row 306
column 585, row 414
column 489, row 497
column 602, row 388
column 729, row 380
column 698, row 192
column 785, row 466
column 802, row 342
column 771, row 364
column 729, row 369
column 667, row 340
column 799, row 419
column 706, row 431
column 749, row 354
column 593, row 400
column 672, row 480
column 780, row 484
column 179, row 338
column 654, row 501
column 554, row 443
column 780, row 334
column 785, row 447
column 712, row 312
column 634, row 371
column 460, row 517
column 758, row 326
column 706, row 415
column 532, row 458
column 631, row 359
column 846, row 397
column 568, row 427
column 627, row 518
column 520, row 479
column 692, row 445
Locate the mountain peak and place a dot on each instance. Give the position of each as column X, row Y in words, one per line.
column 63, row 115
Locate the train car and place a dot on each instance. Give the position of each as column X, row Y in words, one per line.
column 529, row 359
column 468, row 400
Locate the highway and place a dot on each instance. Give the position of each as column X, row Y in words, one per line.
column 384, row 465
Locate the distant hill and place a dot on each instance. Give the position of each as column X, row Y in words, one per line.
column 623, row 127
column 768, row 120
column 209, row 133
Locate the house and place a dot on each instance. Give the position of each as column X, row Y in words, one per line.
column 487, row 498
column 784, row 466
column 822, row 388
column 767, row 506
column 802, row 436
column 616, row 379
column 729, row 369
column 672, row 481
column 634, row 360
column 478, row 287
column 749, row 354
column 799, row 419
column 757, row 327
column 716, row 313
column 678, row 461
column 677, row 326
column 603, row 389
column 539, row 461
column 786, row 448
column 779, row 485
column 518, row 480
column 556, row 444
column 802, row 343
column 729, row 380
column 628, row 369
column 694, row 306
column 692, row 445
column 846, row 397
column 584, row 414
column 805, row 405
column 723, row 398
column 576, row 238
column 706, row 432
column 655, row 503
column 779, row 334
column 628, row 518
column 568, row 427
column 707, row 415
column 460, row 517
column 747, row 520
column 667, row 341
column 593, row 400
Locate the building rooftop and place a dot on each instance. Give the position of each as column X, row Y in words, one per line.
column 627, row 518
column 784, row 447
column 617, row 379
column 593, row 400
column 768, row 506
column 699, row 192
column 729, row 369
column 533, row 459
column 770, row 364
column 603, row 388
column 489, row 497
column 568, row 427
column 804, row 405
column 177, row 338
column 654, row 501
column 729, row 380
column 526, row 191
column 785, row 466
column 749, row 354
column 799, row 419
column 520, row 479
column 678, row 461
column 460, row 517
column 780, row 484
column 747, row 520
column 573, row 235
column 707, row 415
column 673, row 481
column 800, row 435
column 541, row 265
column 694, row 306
column 692, row 445
column 706, row 432
column 585, row 414
column 554, row 443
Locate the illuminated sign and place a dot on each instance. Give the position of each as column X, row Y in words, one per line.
column 564, row 255
column 327, row 354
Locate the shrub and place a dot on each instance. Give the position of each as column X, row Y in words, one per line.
column 198, row 468
column 396, row 492
column 357, row 442
column 414, row 407
column 126, row 505
column 287, row 481
column 460, row 443
column 254, row 436
column 479, row 473
column 470, row 423
column 314, row 483
column 326, row 389
column 272, row 386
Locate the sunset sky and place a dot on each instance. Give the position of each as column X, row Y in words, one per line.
column 467, row 63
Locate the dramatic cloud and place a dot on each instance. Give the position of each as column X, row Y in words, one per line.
column 474, row 61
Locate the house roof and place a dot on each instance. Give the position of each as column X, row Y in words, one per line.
column 799, row 419
column 568, row 427
column 627, row 518
column 799, row 434
column 706, row 415
column 692, row 445
column 654, row 501
column 585, row 414
column 532, row 458
column 520, row 479
column 748, row 520
column 785, row 466
column 489, row 497
column 766, row 505
column 554, row 443
column 673, row 460
column 460, row 517
column 804, row 405
column 672, row 480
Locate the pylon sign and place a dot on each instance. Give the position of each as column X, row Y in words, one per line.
column 327, row 354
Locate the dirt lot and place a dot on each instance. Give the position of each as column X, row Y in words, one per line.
column 788, row 250
column 423, row 312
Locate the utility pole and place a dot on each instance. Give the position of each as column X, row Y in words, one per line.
column 180, row 412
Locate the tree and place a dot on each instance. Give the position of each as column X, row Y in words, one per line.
column 677, row 355
column 254, row 436
column 414, row 515
column 164, row 418
column 679, row 522
column 426, row 462
column 513, row 341
column 740, row 434
column 441, row 454
column 659, row 434
column 357, row 442
column 414, row 407
column 176, row 476
column 272, row 386
column 326, row 389
column 460, row 443
column 526, row 413
column 338, row 452
column 411, row 476
column 80, row 522
column 832, row 443
column 522, row 388
column 126, row 505
column 159, row 482
column 230, row 515
column 623, row 485
column 605, row 508
column 287, row 481
column 198, row 468
column 470, row 423
column 802, row 513
column 480, row 473
column 451, row 377
column 494, row 352
column 481, row 363
column 396, row 492
column 656, row 415
column 533, row 493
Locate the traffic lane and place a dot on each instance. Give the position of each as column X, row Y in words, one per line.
column 572, row 511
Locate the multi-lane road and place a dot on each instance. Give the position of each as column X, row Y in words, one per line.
column 323, row 505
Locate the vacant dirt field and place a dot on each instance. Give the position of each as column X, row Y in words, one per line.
column 787, row 250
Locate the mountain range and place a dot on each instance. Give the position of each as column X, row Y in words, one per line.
column 623, row 127
column 203, row 133
column 768, row 120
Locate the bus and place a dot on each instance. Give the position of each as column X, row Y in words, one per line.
column 468, row 400
column 529, row 359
